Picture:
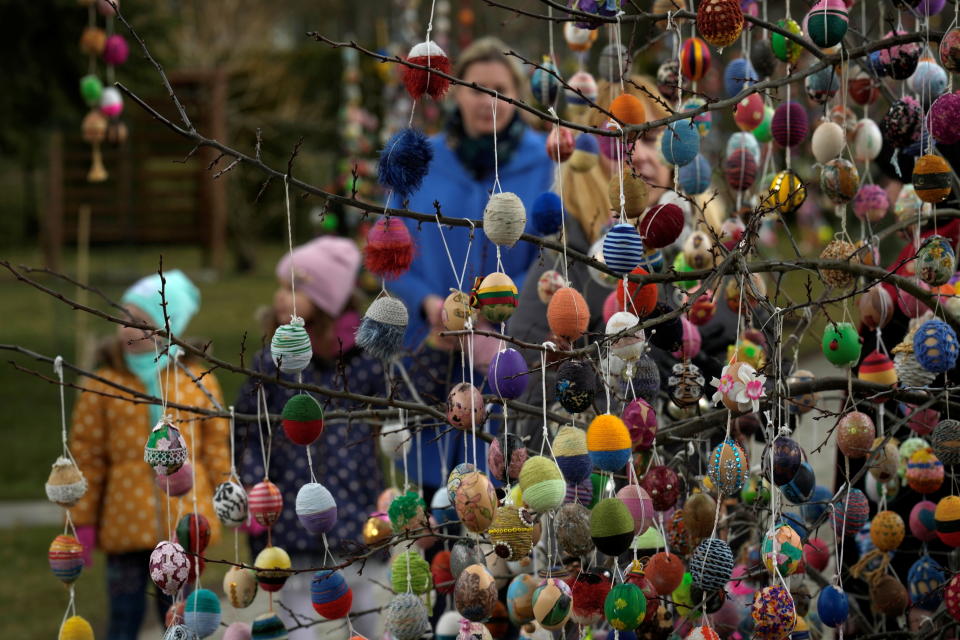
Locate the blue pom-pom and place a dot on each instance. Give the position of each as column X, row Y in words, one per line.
column 546, row 214
column 613, row 460
column 575, row 468
column 695, row 177
column 680, row 143
column 738, row 73
column 404, row 162
column 587, row 142
column 380, row 339
column 935, row 346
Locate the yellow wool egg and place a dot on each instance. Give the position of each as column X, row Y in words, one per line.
column 75, row 628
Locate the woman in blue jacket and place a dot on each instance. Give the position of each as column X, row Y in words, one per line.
column 460, row 179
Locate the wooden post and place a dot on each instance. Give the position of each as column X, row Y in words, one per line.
column 52, row 222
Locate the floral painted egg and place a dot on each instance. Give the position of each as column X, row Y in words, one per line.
column 165, row 450
column 465, row 407
column 728, row 467
column 169, row 567
column 641, row 421
column 802, row 403
column 505, row 457
column 476, row 502
column 924, row 472
column 855, row 434
column 936, row 261
column 663, row 486
column 456, row 477
column 782, row 550
column 475, row 593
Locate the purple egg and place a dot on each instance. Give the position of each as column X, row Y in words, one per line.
column 790, row 124
column 507, row 374
column 930, row 7
column 943, row 117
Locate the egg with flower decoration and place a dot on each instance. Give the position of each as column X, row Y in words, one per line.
column 936, row 261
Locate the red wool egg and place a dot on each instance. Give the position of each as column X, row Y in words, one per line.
column 816, row 553
column 265, row 503
column 443, row 579
column 389, row 250
column 665, row 571
column 422, row 81
column 661, row 226
column 740, row 168
column 749, row 112
column 643, row 298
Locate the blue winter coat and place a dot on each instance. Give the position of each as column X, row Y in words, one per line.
column 528, row 173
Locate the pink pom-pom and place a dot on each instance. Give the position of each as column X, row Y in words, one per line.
column 116, row 50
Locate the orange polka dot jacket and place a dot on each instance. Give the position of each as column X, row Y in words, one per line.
column 107, row 438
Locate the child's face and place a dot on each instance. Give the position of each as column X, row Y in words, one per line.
column 136, row 340
column 283, row 299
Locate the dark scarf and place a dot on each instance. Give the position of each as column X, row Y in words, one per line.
column 476, row 154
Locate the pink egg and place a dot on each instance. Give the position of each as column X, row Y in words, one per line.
column 922, row 422
column 116, row 50
column 639, row 504
column 691, row 341
column 749, row 112
column 922, row 523
column 177, row 483
column 641, row 421
column 909, row 305
column 237, row 631
column 816, row 553
column 738, row 587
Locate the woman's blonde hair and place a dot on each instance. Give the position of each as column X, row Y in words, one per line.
column 490, row 49
column 586, row 193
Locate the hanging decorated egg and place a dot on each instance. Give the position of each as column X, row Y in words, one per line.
column 302, row 419
column 931, row 178
column 786, row 193
column 842, row 251
column 785, row 49
column 230, row 503
column 407, row 512
column 622, row 249
column 507, row 374
column 803, row 403
column 740, row 169
column 833, row 606
column 738, row 75
column 925, row 583
column 887, row 530
column 888, row 595
column 839, row 180
column 862, row 88
column 640, row 506
column 552, row 603
column 496, row 296
column 686, row 384
column 628, row 347
column 782, row 551
column 273, row 568
column 680, row 142
column 841, row 344
column 608, row 442
column 924, row 471
column 694, row 178
column 928, row 81
column 404, row 162
column 456, row 311
column 936, row 261
column 240, row 587
column 855, row 434
column 567, row 313
column 850, row 513
column 728, row 467
column 749, row 113
column 950, row 50
column 878, row 368
column 421, row 81
column 389, row 250
column 628, row 109
column 827, row 23
column 790, row 124
column 169, row 567
column 720, row 22
column 542, row 484
column 942, row 118
column 560, row 144
column 165, row 450
column 465, row 407
column 330, row 594
column 901, row 124
column 625, row 606
column 816, row 553
column 571, row 453
column 871, row 203
column 545, row 82
column 774, row 613
column 66, row 558
column 520, row 598
column 589, row 591
column 573, row 530
column 549, row 283
column 947, row 520
column 935, row 346
column 876, row 307
column 578, row 39
column 65, row 484
column 580, row 92
column 663, row 486
column 476, row 501
column 946, row 441
column 265, row 503
column 827, row 142
column 821, row 86
column 586, row 153
column 668, row 78
column 698, row 250
column 406, row 617
column 762, row 58
column 201, row 612
column 611, row 526
column 694, row 58
column 800, row 488
column 504, row 219
column 410, row 572
column 711, row 564
column 901, row 59
column 193, row 532
column 316, row 508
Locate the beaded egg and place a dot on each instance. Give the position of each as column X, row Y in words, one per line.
column 786, row 193
column 773, row 613
column 720, row 22
column 782, row 550
column 476, row 502
column 552, row 603
column 855, row 434
column 785, row 49
column 694, row 59
column 728, row 467
column 841, row 344
column 900, row 126
column 662, row 485
column 827, row 23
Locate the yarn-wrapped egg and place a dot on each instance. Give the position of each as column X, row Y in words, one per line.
column 75, row 628
column 265, row 503
column 404, row 161
column 935, row 346
column 641, row 422
column 586, row 153
column 827, row 23
column 511, row 533
column 737, row 75
column 661, row 225
column 862, row 88
column 901, row 59
column 546, row 214
column 66, row 483
column 694, row 58
column 850, row 513
column 663, row 486
column 560, row 144
column 608, row 442
column 382, row 328
column 833, row 606
column 942, row 117
column 888, row 596
column 841, row 344
column 571, row 453
column 240, row 587
column 946, row 441
column 787, row 192
column 504, row 219
column 567, row 313
column 665, row 571
column 496, row 296
column 330, row 594
column 887, row 530
column 936, row 261
column 407, row 512
column 855, row 434
column 728, row 467
column 922, row 522
column 573, row 530
column 749, row 113
column 924, row 471
column 901, row 124
column 871, row 203
column 928, row 81
column 589, row 590
column 169, row 567
column 201, row 613
column 694, row 178
column 576, row 385
column 790, row 124
column 389, row 250
column 636, row 298
column 711, row 564
column 440, row 569
column 800, row 488
column 628, row 109
column 111, row 102
column 925, row 583
column 193, row 532
column 947, row 519
column 507, row 374
column 932, row 178
column 476, row 501
column 697, row 518
column 542, row 484
column 410, row 572
column 773, row 612
column 65, row 556
column 552, row 603
column 577, row 38
column 406, row 618
column 839, row 180
column 720, row 22
column 680, row 142
column 316, row 509
column 821, row 86
column 634, row 191
column 638, row 503
column 302, row 419
column 878, row 368
column 782, row 550
column 165, row 450
column 785, row 49
column 740, row 169
column 581, row 90
column 465, row 407
column 420, row 81
column 622, row 248
column 625, row 606
column 611, row 526
column 273, row 568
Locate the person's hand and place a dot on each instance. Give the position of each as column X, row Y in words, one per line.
column 87, row 536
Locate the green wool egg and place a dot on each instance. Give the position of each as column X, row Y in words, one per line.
column 611, row 526
column 841, row 344
column 542, row 484
column 625, row 606
column 91, row 89
column 410, row 572
column 680, row 265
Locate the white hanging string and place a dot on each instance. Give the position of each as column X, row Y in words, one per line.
column 496, row 161
column 286, row 200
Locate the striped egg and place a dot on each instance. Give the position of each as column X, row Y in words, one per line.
column 622, row 248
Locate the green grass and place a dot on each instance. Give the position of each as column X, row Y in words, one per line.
column 38, row 322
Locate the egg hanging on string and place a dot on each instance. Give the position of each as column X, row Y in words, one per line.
column 383, row 327
column 694, row 59
column 421, row 81
column 496, row 296
column 504, row 219
column 290, row 347
column 720, row 22
column 66, row 484
column 827, row 23
column 404, row 162
column 786, row 49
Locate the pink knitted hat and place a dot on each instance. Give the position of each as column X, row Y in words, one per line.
column 325, row 269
